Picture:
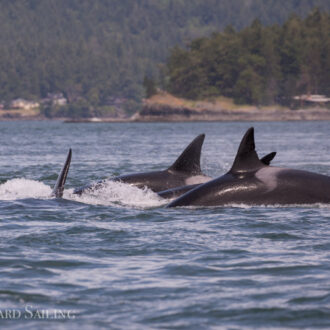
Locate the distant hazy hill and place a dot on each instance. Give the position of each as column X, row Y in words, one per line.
column 101, row 49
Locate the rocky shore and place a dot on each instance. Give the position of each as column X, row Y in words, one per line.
column 167, row 108
column 155, row 113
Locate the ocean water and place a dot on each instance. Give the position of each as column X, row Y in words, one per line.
column 118, row 259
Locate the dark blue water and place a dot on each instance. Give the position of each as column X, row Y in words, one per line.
column 119, row 259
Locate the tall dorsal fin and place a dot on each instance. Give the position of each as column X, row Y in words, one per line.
column 268, row 158
column 246, row 158
column 189, row 160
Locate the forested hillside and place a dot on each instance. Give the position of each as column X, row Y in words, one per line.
column 257, row 65
column 96, row 51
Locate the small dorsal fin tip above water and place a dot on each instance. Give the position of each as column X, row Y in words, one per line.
column 268, row 158
column 189, row 160
column 246, row 158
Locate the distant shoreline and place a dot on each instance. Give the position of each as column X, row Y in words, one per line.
column 230, row 115
column 221, row 116
column 164, row 107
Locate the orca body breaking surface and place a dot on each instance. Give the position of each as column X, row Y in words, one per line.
column 186, row 170
column 178, row 191
column 251, row 182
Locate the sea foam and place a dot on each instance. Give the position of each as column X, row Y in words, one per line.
column 21, row 188
column 119, row 194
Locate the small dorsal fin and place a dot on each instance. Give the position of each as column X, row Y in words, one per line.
column 59, row 185
column 189, row 160
column 246, row 158
column 268, row 158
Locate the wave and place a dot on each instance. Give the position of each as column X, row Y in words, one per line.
column 113, row 193
column 109, row 194
column 118, row 193
column 22, row 188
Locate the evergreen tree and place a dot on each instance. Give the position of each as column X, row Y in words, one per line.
column 96, row 50
column 257, row 65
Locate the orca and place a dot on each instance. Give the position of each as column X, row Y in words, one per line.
column 178, row 191
column 253, row 183
column 60, row 182
column 186, row 170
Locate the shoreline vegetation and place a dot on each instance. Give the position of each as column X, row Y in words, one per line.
column 164, row 107
column 259, row 71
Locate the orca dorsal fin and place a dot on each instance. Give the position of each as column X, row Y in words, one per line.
column 189, row 160
column 246, row 159
column 268, row 158
column 60, row 182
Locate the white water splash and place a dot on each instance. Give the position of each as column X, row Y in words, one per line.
column 112, row 193
column 279, row 206
column 118, row 193
column 24, row 188
column 109, row 194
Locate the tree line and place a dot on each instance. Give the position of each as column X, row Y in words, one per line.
column 95, row 52
column 258, row 64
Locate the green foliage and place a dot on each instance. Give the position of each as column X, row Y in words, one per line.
column 149, row 86
column 257, row 65
column 79, row 109
column 96, row 50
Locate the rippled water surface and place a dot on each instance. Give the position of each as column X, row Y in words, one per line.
column 119, row 259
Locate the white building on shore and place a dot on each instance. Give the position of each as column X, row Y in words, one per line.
column 24, row 104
